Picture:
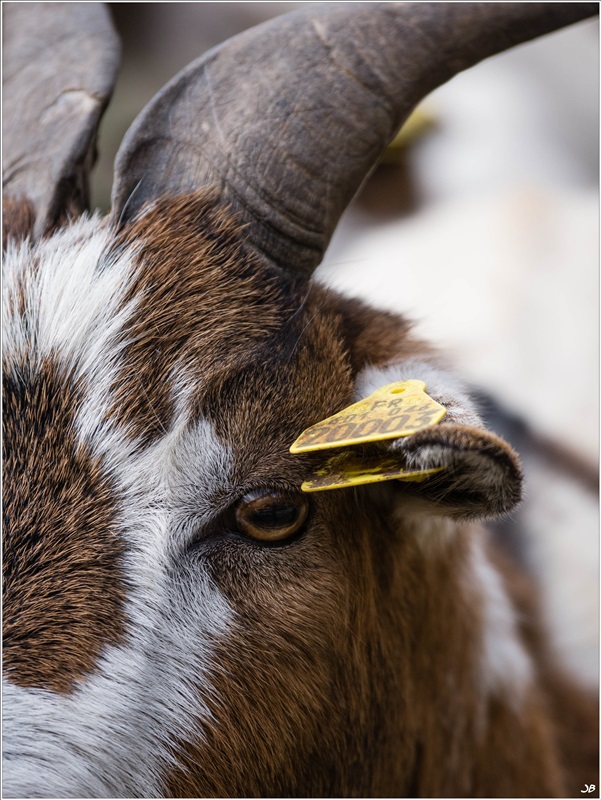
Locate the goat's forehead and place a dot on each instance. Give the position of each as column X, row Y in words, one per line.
column 211, row 315
column 175, row 307
column 170, row 324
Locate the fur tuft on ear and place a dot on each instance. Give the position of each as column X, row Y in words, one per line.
column 481, row 476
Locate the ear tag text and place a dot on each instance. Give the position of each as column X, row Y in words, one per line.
column 348, row 468
column 398, row 409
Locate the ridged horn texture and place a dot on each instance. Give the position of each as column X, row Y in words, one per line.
column 60, row 66
column 288, row 118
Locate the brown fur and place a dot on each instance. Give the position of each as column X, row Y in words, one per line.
column 377, row 337
column 62, row 588
column 573, row 710
column 18, row 219
column 361, row 689
column 205, row 305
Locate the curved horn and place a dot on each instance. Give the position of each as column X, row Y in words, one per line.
column 288, row 118
column 60, row 65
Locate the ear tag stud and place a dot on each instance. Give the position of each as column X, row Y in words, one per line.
column 347, row 469
column 398, row 409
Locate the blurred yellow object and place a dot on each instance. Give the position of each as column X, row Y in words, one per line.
column 418, row 123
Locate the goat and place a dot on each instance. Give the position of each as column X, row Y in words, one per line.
column 180, row 619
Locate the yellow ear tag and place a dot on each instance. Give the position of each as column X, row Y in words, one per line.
column 398, row 409
column 351, row 469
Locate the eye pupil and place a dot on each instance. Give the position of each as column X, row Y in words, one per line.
column 275, row 516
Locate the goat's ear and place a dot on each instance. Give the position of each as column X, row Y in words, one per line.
column 287, row 119
column 437, row 466
column 468, row 471
column 60, row 65
column 481, row 476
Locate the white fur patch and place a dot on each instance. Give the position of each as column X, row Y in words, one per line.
column 433, row 534
column 73, row 296
column 561, row 521
column 117, row 733
column 74, row 310
column 505, row 667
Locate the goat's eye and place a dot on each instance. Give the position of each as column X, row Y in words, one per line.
column 271, row 516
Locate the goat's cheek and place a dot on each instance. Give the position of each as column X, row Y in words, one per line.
column 289, row 598
column 276, row 665
column 262, row 578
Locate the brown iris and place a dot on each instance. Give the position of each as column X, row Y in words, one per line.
column 271, row 516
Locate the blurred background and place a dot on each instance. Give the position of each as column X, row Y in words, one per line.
column 484, row 229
